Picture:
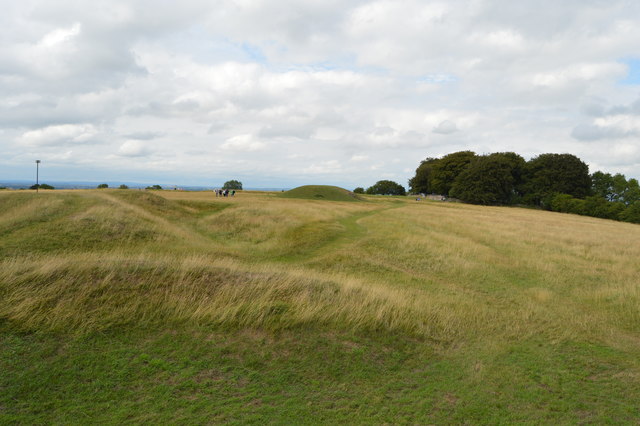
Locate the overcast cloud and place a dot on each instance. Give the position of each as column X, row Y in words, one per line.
column 287, row 92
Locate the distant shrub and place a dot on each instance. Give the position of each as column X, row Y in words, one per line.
column 358, row 190
column 631, row 213
column 102, row 186
column 561, row 203
column 41, row 186
column 597, row 206
column 123, row 186
column 565, row 203
column 154, row 187
column 616, row 209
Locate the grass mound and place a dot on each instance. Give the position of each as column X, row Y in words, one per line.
column 321, row 192
column 89, row 293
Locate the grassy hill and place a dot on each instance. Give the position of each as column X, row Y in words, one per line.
column 130, row 306
column 321, row 192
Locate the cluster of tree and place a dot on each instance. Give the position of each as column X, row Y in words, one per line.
column 154, row 187
column 597, row 206
column 559, row 182
column 123, row 186
column 382, row 187
column 41, row 186
column 232, row 184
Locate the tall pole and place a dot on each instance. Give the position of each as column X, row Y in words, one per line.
column 37, row 170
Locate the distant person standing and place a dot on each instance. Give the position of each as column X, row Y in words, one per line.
column 233, row 192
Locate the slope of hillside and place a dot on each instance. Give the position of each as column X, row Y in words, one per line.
column 182, row 307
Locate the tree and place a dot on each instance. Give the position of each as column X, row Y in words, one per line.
column 358, row 190
column 421, row 182
column 154, row 187
column 123, row 186
column 602, row 185
column 615, row 188
column 490, row 179
column 386, row 187
column 548, row 174
column 632, row 194
column 597, row 206
column 232, row 184
column 102, row 186
column 41, row 186
column 445, row 171
column 631, row 213
column 562, row 203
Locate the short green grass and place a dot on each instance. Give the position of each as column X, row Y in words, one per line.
column 177, row 307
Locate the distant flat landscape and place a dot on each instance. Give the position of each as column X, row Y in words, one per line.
column 23, row 184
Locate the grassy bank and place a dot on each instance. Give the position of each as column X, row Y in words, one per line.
column 175, row 306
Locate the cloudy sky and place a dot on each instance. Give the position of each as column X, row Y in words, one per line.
column 281, row 93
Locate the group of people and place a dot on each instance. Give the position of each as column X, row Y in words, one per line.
column 224, row 192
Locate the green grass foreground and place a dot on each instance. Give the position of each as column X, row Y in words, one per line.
column 177, row 307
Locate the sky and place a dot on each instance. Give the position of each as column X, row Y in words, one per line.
column 282, row 93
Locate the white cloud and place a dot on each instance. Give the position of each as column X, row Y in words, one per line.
column 60, row 135
column 445, row 127
column 243, row 143
column 359, row 158
column 294, row 88
column 133, row 148
column 611, row 124
column 60, row 35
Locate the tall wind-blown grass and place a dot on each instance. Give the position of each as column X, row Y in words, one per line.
column 92, row 293
column 437, row 271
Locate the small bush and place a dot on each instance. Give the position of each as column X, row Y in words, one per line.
column 103, row 186
column 631, row 213
column 41, row 186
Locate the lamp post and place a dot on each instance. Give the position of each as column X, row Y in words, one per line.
column 37, row 170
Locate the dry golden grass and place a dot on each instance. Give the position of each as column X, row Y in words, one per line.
column 446, row 272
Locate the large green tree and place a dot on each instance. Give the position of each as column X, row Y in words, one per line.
column 548, row 174
column 232, row 184
column 615, row 188
column 421, row 182
column 445, row 171
column 386, row 187
column 632, row 193
column 602, row 185
column 490, row 179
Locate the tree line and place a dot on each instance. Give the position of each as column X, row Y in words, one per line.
column 558, row 182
